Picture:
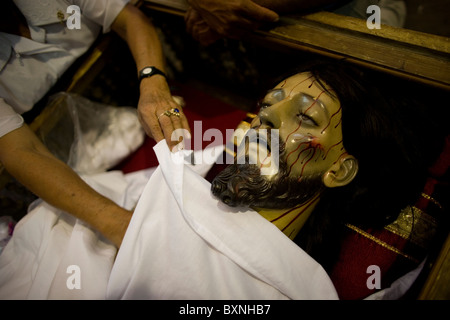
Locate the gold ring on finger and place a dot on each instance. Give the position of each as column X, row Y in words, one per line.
column 172, row 112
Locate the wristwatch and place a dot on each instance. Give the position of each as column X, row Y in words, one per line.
column 149, row 71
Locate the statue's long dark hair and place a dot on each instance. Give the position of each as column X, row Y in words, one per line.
column 393, row 135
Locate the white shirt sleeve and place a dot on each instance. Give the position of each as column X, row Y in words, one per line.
column 9, row 119
column 102, row 12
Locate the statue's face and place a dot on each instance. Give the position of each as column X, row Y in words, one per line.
column 307, row 120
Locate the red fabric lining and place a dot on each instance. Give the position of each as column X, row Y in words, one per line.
column 200, row 106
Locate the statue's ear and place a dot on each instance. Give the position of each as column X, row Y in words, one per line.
column 341, row 173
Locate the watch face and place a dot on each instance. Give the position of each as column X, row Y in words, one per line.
column 147, row 70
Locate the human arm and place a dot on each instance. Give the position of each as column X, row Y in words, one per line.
column 209, row 20
column 25, row 157
column 155, row 98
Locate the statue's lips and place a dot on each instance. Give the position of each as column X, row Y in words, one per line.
column 255, row 147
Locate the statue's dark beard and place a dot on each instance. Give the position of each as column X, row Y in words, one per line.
column 243, row 185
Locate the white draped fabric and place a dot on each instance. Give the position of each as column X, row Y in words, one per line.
column 181, row 244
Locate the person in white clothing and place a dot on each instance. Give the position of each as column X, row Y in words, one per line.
column 36, row 47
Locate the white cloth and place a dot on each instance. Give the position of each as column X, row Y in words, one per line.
column 184, row 244
column 46, row 242
column 30, row 67
column 89, row 136
column 181, row 244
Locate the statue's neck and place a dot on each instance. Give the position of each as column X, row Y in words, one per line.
column 290, row 221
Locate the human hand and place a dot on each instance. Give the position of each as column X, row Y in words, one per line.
column 199, row 29
column 232, row 18
column 154, row 101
